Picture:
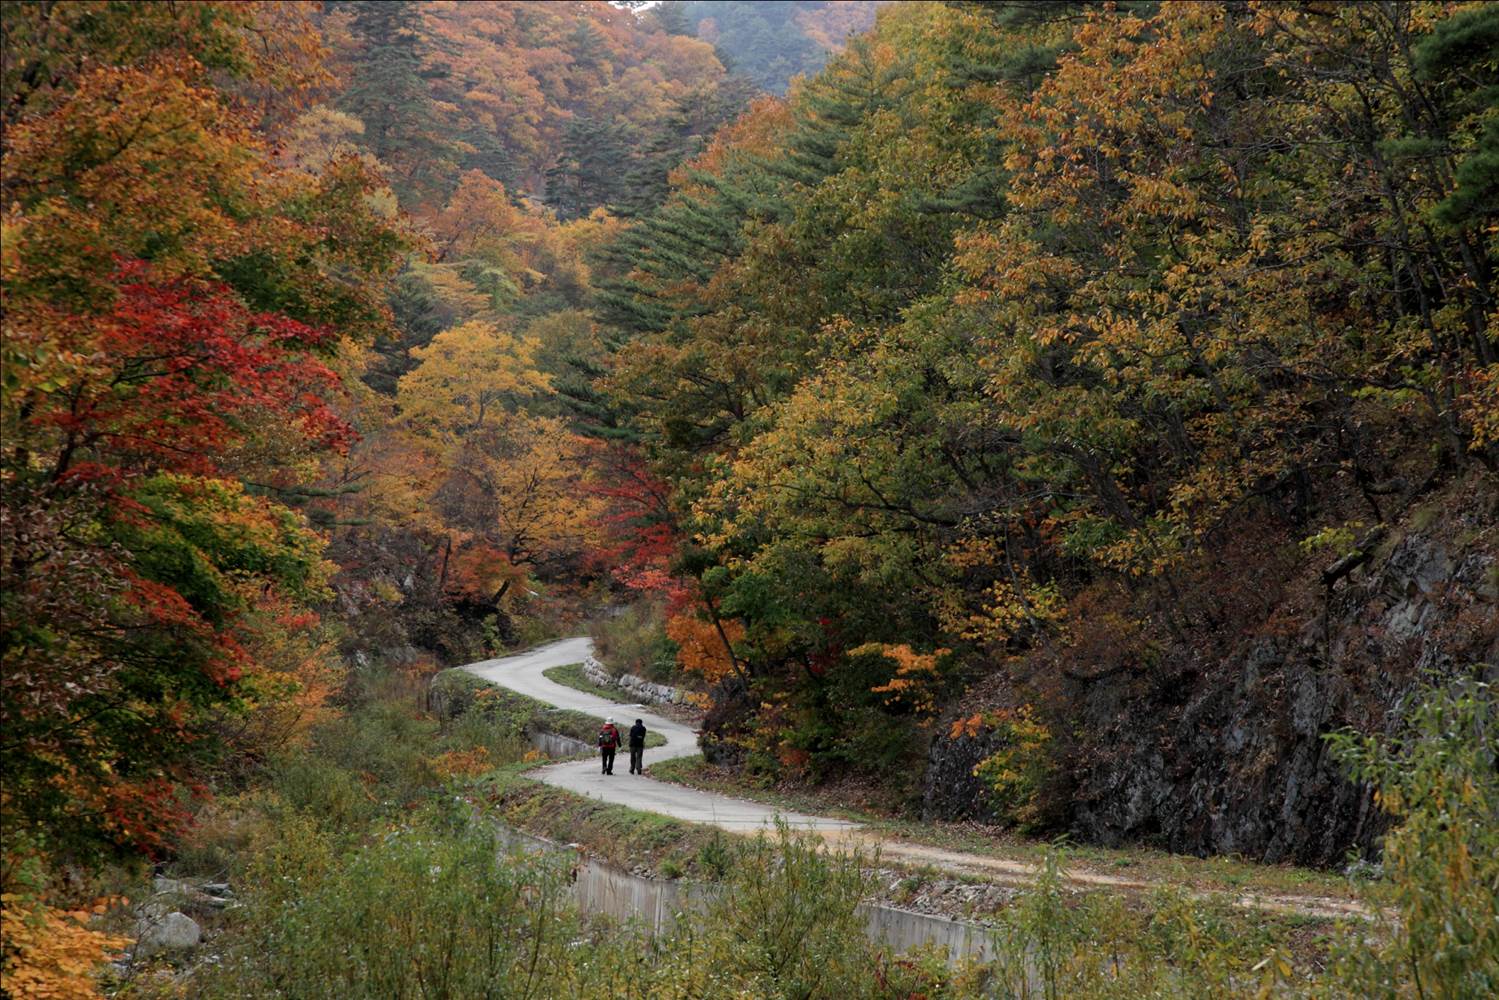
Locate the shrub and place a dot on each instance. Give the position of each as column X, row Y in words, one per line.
column 1016, row 773
column 714, row 858
column 418, row 912
column 1057, row 944
column 332, row 796
column 381, row 757
column 501, row 734
column 221, row 834
column 634, row 641
column 786, row 924
column 451, row 693
column 384, row 745
column 533, row 631
column 49, row 952
column 1441, row 782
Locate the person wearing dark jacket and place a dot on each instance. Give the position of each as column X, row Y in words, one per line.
column 637, row 747
column 608, row 743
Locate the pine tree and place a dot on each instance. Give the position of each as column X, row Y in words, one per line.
column 419, row 315
column 389, row 93
column 838, row 100
column 592, row 170
column 671, row 18
column 679, row 137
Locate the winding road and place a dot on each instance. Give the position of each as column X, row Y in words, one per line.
column 523, row 673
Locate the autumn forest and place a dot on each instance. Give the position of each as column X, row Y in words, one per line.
column 1049, row 419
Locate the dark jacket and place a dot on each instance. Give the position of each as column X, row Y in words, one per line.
column 637, row 736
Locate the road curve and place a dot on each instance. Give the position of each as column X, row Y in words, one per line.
column 524, row 674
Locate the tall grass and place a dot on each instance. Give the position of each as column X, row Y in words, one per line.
column 421, row 911
column 784, row 923
column 1440, row 780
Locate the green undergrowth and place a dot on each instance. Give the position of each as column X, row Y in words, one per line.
column 364, row 870
column 367, row 866
column 572, row 675
column 648, row 843
column 1220, row 874
column 630, row 838
column 458, row 694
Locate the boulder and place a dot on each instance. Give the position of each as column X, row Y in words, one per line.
column 174, row 932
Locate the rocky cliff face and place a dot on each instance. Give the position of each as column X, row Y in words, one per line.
column 951, row 792
column 1220, row 749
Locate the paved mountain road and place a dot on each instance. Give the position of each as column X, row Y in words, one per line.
column 523, row 673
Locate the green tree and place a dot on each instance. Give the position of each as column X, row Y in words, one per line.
column 1011, row 304
column 593, row 169
column 389, row 92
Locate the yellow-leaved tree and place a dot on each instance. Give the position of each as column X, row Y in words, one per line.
column 502, row 484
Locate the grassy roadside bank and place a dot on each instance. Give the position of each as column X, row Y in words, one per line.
column 572, row 675
column 641, row 842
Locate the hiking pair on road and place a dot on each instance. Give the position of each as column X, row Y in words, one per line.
column 609, row 742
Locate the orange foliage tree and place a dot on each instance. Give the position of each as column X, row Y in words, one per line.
column 173, row 303
column 705, row 648
column 52, row 954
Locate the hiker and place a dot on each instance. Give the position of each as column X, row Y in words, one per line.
column 608, row 743
column 637, row 747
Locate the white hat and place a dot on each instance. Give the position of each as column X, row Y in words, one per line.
column 609, row 721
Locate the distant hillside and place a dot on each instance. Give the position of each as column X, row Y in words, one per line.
column 771, row 41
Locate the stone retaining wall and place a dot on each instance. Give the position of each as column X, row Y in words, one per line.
column 646, row 691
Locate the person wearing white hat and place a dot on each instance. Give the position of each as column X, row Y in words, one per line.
column 608, row 743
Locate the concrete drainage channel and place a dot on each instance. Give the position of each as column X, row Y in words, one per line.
column 556, row 745
column 603, row 888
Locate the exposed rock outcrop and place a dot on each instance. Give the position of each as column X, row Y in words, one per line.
column 951, row 792
column 1220, row 747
